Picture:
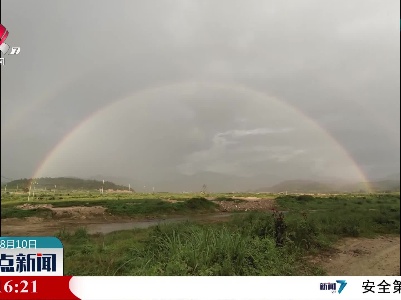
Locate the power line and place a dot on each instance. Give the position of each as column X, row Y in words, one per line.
column 7, row 178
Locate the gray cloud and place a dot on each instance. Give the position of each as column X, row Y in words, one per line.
column 336, row 63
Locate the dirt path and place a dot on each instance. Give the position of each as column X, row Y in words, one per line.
column 361, row 256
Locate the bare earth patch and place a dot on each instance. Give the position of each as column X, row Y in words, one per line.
column 248, row 198
column 82, row 212
column 64, row 217
column 78, row 216
column 250, row 204
column 172, row 200
column 28, row 206
column 364, row 257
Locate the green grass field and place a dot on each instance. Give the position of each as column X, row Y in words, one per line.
column 117, row 205
column 242, row 245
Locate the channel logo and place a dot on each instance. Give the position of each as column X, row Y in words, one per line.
column 332, row 286
column 4, row 34
column 4, row 47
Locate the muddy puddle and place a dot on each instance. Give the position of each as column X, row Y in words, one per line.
column 111, row 227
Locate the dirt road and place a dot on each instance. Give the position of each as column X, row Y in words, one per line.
column 365, row 257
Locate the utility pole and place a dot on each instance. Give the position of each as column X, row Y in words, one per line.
column 204, row 187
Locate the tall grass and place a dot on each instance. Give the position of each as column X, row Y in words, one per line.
column 244, row 245
column 184, row 249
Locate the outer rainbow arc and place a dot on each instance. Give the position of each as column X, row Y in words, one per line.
column 239, row 88
column 45, row 98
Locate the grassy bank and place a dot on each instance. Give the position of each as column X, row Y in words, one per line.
column 181, row 249
column 366, row 215
column 116, row 207
column 243, row 246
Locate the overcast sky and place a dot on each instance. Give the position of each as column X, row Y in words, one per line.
column 241, row 93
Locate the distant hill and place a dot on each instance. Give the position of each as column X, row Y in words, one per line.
column 117, row 180
column 214, row 182
column 64, row 183
column 376, row 186
column 395, row 177
column 310, row 186
column 386, row 185
column 299, row 186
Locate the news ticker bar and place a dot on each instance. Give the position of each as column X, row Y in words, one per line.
column 32, row 268
column 194, row 288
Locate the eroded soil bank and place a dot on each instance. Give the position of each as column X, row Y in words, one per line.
column 96, row 218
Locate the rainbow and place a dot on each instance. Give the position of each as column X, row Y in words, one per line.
column 40, row 170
